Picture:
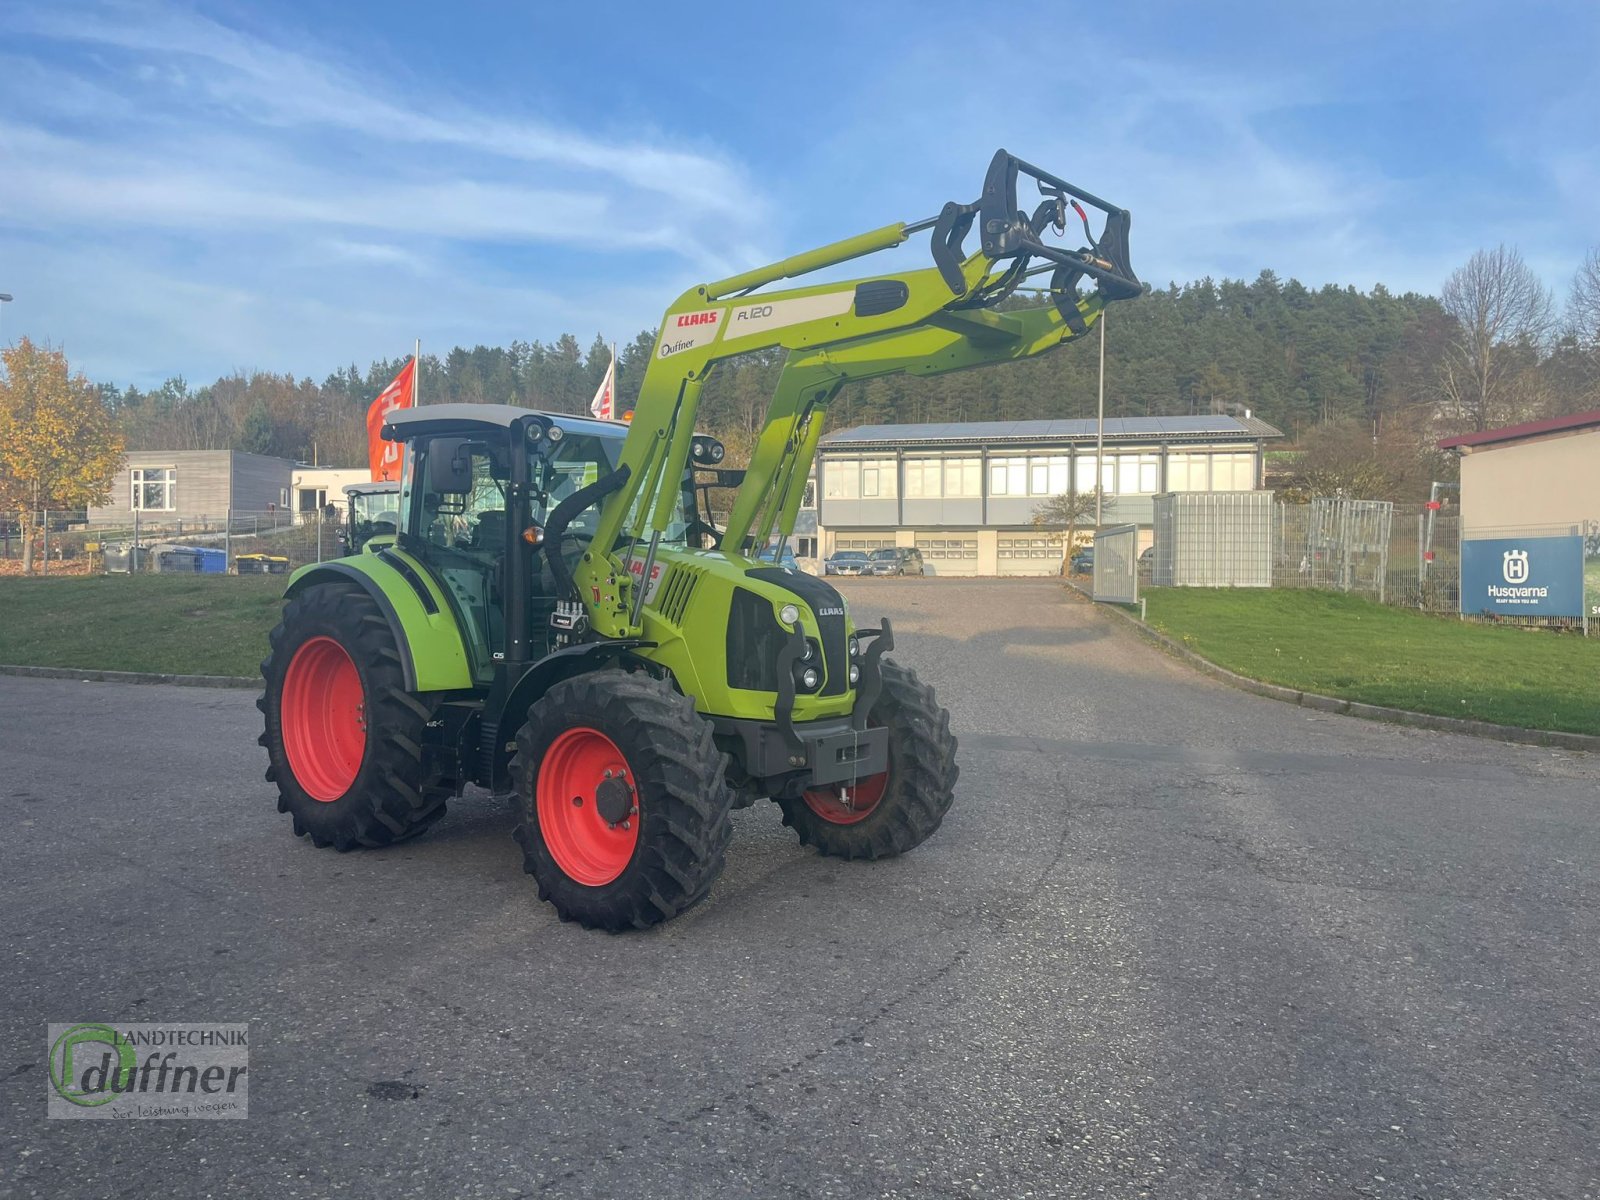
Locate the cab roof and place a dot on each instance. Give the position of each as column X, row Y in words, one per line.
column 407, row 423
column 372, row 487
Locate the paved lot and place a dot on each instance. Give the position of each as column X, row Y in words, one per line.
column 1173, row 940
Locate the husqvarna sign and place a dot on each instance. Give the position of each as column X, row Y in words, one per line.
column 1523, row 577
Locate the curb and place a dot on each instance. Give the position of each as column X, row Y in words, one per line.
column 89, row 675
column 1349, row 708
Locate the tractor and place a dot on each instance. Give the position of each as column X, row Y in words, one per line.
column 558, row 618
column 371, row 511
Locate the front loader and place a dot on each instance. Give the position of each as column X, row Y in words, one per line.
column 556, row 618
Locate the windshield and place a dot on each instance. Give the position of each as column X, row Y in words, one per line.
column 882, row 555
column 849, row 555
column 580, row 459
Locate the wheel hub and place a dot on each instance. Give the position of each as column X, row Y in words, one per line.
column 614, row 799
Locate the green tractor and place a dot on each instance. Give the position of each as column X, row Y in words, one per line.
column 372, row 510
column 556, row 618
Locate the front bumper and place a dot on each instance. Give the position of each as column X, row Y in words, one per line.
column 817, row 753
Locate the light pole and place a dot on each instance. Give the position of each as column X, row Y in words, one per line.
column 5, row 298
column 1100, row 429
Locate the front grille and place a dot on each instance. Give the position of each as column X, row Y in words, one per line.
column 755, row 639
column 675, row 592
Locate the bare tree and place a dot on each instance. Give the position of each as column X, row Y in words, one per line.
column 1067, row 512
column 1583, row 308
column 1500, row 307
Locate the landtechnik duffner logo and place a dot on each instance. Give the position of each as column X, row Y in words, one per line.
column 148, row 1071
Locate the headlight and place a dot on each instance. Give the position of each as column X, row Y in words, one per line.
column 855, row 673
column 789, row 614
column 810, row 678
column 855, row 647
column 806, row 656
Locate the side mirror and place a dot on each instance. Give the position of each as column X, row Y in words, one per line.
column 723, row 477
column 449, row 466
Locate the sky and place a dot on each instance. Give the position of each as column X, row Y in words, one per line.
column 196, row 188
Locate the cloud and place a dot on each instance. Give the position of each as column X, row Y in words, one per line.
column 185, row 195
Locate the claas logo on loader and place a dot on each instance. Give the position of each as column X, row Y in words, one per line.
column 708, row 317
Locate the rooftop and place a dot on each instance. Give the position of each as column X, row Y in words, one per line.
column 1117, row 428
column 1529, row 429
column 410, row 421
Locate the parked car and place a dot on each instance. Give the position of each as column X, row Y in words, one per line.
column 787, row 561
column 1083, row 562
column 895, row 560
column 846, row 562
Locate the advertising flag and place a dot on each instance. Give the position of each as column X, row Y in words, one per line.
column 402, row 393
column 604, row 404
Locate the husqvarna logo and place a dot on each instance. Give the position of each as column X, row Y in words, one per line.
column 1514, row 566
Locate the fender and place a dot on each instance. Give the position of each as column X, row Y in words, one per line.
column 433, row 656
column 501, row 719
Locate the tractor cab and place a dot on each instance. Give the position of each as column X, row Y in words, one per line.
column 372, row 510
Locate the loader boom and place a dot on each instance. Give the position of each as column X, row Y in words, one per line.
column 929, row 321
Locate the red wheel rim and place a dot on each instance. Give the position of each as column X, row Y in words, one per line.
column 590, row 849
column 324, row 719
column 845, row 804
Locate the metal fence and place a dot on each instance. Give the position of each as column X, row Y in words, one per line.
column 1213, row 539
column 240, row 543
column 1404, row 554
column 1116, row 564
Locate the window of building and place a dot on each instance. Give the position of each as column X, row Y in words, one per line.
column 878, row 479
column 312, row 499
column 962, row 477
column 1084, row 481
column 1188, row 472
column 948, row 547
column 1030, row 545
column 924, row 477
column 1050, row 476
column 863, row 543
column 841, row 478
column 154, row 489
column 1233, row 472
column 1008, row 477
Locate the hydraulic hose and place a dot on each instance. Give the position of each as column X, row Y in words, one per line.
column 561, row 516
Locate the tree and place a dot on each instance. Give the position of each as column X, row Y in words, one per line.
column 59, row 446
column 1499, row 306
column 1583, row 308
column 1069, row 510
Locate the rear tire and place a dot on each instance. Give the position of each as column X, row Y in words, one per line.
column 623, row 800
column 901, row 808
column 336, row 707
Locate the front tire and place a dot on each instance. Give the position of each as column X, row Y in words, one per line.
column 893, row 812
column 623, row 800
column 343, row 736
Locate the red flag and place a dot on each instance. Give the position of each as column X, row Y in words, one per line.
column 402, row 393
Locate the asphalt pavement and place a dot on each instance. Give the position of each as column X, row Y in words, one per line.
column 1173, row 940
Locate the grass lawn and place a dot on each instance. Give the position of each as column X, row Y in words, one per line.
column 177, row 624
column 1341, row 646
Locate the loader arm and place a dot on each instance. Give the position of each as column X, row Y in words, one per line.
column 930, row 321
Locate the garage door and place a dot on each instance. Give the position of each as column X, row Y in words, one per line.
column 1030, row 553
column 946, row 555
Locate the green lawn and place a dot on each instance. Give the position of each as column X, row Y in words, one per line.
column 1340, row 646
column 175, row 624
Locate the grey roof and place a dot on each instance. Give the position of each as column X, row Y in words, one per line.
column 408, row 421
column 1119, row 428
